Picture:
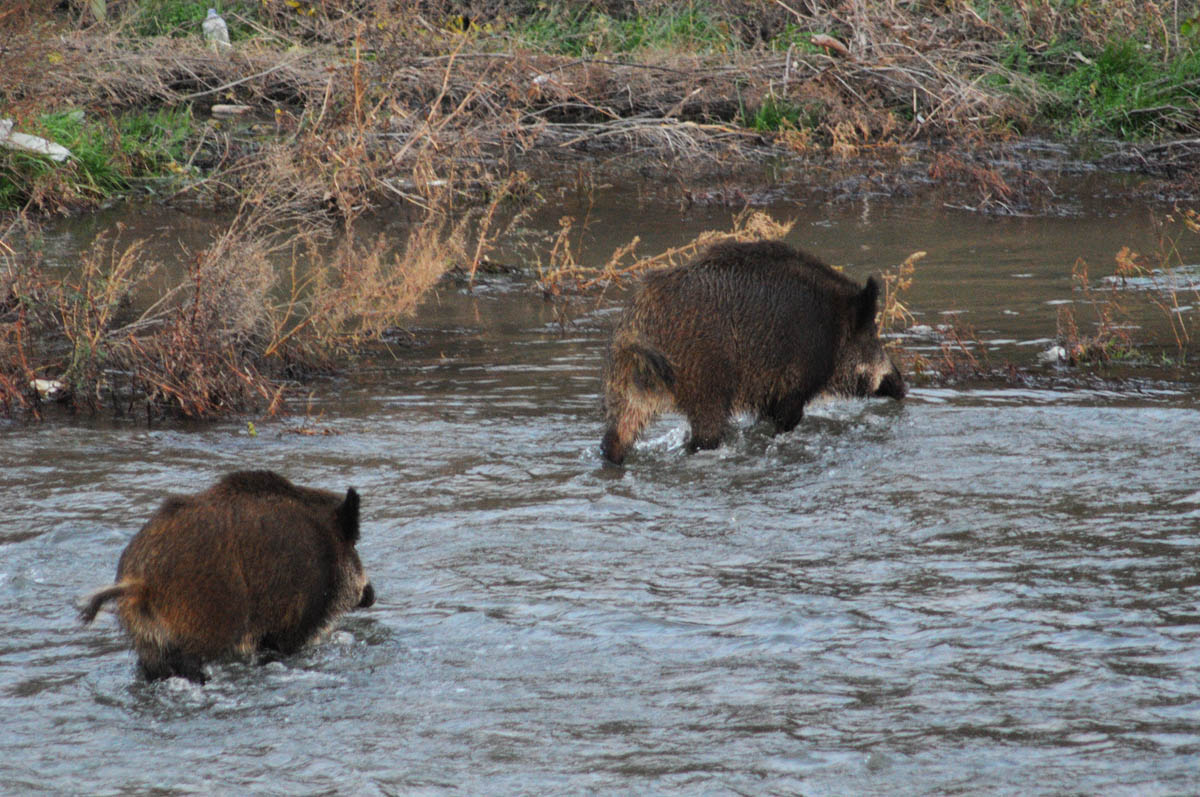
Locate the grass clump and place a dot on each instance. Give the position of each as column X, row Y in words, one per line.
column 1126, row 90
column 565, row 29
column 108, row 155
column 777, row 113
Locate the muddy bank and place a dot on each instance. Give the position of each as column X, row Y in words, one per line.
column 354, row 106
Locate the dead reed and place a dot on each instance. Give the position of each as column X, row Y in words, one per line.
column 1149, row 302
column 229, row 326
column 563, row 274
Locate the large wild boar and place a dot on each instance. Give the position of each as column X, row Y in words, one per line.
column 747, row 327
column 253, row 564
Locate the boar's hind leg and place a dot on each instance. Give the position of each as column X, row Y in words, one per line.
column 169, row 661
column 612, row 447
column 786, row 412
column 627, row 416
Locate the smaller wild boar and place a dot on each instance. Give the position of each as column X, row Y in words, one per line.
column 746, row 327
column 253, row 564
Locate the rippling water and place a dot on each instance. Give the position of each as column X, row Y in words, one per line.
column 988, row 591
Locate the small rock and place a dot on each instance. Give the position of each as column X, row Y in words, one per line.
column 877, row 761
column 27, row 143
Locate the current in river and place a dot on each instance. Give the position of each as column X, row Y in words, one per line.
column 980, row 590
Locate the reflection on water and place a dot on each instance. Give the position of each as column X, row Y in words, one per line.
column 973, row 591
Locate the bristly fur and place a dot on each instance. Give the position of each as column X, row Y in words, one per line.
column 254, row 563
column 757, row 327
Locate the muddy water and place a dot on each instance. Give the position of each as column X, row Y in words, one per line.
column 978, row 591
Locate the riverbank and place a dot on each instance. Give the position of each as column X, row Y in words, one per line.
column 467, row 117
column 357, row 105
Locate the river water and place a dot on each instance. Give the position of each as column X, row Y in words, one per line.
column 981, row 590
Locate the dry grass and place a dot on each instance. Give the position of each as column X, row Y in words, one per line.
column 225, row 329
column 564, row 274
column 360, row 95
column 1147, row 301
column 364, row 103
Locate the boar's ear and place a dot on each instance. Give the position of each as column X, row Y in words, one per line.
column 347, row 516
column 865, row 303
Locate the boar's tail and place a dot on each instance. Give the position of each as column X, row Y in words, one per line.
column 649, row 367
column 102, row 596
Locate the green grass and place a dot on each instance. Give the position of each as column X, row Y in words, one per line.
column 794, row 36
column 1124, row 90
column 108, row 155
column 778, row 114
column 578, row 31
column 1135, row 82
column 155, row 141
column 182, row 18
column 97, row 170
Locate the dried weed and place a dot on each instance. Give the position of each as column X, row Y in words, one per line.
column 563, row 274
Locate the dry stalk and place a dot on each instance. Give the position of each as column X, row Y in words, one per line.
column 893, row 314
column 1111, row 335
column 959, row 351
column 565, row 274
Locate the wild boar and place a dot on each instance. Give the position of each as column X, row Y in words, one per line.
column 254, row 564
column 746, row 327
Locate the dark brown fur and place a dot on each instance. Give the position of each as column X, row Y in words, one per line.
column 757, row 327
column 254, row 563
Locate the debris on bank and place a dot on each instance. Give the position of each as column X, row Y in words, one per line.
column 35, row 145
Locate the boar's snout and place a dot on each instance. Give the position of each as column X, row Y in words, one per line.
column 368, row 596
